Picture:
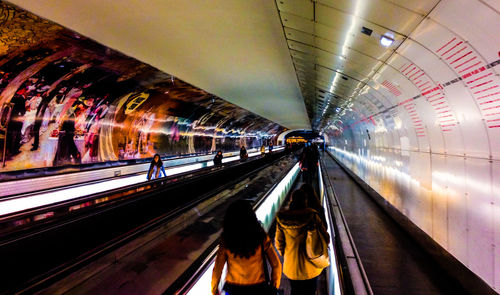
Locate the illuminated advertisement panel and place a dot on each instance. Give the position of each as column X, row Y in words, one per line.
column 67, row 100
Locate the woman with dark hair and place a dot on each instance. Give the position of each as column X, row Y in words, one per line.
column 242, row 241
column 218, row 159
column 291, row 233
column 243, row 154
column 155, row 168
column 313, row 201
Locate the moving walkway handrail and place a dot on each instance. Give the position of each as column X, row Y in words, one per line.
column 355, row 280
column 38, row 282
column 184, row 283
column 107, row 197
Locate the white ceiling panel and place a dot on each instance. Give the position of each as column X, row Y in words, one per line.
column 297, row 22
column 233, row 49
column 382, row 13
column 298, row 7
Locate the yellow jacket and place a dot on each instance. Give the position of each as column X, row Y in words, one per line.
column 291, row 233
column 246, row 271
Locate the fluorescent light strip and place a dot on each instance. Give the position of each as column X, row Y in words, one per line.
column 204, row 283
column 43, row 199
column 333, row 258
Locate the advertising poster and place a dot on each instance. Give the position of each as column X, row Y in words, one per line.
column 67, row 100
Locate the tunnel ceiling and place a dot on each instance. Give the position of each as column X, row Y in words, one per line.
column 336, row 50
column 233, row 49
column 304, row 63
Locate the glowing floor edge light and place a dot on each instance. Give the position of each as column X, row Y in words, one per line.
column 43, row 199
column 263, row 212
column 333, row 271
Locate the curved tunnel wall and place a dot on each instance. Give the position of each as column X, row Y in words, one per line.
column 67, row 100
column 425, row 132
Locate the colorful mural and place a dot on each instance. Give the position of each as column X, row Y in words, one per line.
column 66, row 100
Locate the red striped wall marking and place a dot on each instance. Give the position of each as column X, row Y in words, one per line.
column 406, row 68
column 489, row 101
column 491, row 108
column 452, row 48
column 411, row 70
column 444, row 112
column 449, row 120
column 424, row 84
column 436, row 99
column 440, row 108
column 474, row 72
column 456, row 53
column 469, row 67
column 481, row 84
column 439, row 93
column 419, row 81
column 430, row 91
column 449, row 125
column 437, row 103
column 401, row 67
column 425, row 88
column 494, row 120
column 492, row 114
column 415, row 74
column 461, row 56
column 403, row 102
column 465, row 62
column 488, row 95
column 445, row 116
column 446, row 130
column 489, row 88
column 482, row 77
column 449, row 44
column 494, row 126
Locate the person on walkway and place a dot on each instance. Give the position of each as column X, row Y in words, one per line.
column 313, row 201
column 243, row 154
column 218, row 159
column 291, row 233
column 262, row 150
column 155, row 167
column 271, row 147
column 241, row 244
column 309, row 162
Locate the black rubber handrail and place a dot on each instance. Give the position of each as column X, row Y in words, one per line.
column 91, row 255
column 353, row 277
column 49, row 276
column 60, row 209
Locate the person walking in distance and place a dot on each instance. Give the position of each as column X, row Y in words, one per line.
column 218, row 159
column 155, row 168
column 243, row 154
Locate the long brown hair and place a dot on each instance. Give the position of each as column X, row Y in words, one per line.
column 242, row 232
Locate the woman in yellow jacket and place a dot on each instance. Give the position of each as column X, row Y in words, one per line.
column 242, row 242
column 291, row 232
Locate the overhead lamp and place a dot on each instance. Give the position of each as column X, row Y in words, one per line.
column 386, row 40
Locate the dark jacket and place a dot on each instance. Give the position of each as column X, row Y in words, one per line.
column 243, row 154
column 218, row 159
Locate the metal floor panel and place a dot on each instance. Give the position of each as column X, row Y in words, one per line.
column 393, row 262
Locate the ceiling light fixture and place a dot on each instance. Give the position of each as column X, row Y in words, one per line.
column 386, row 40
